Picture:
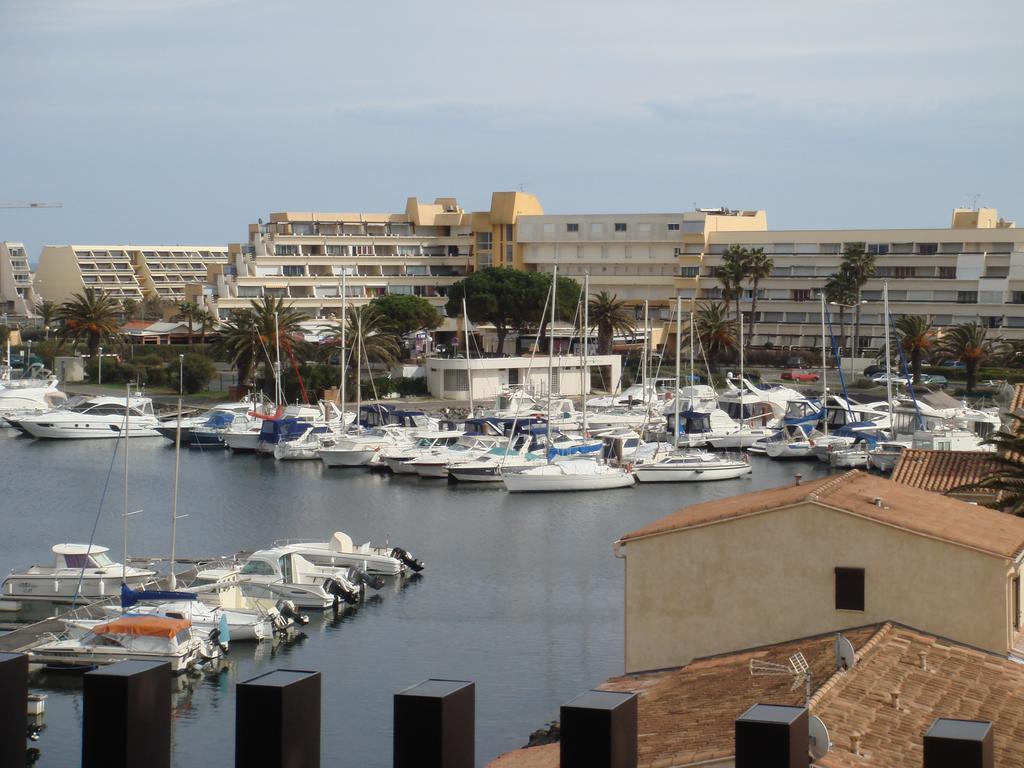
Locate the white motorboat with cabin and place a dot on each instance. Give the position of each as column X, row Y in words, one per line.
column 129, row 638
column 362, row 448
column 80, row 573
column 884, row 456
column 691, row 466
column 434, row 463
column 397, row 459
column 93, row 417
column 219, row 417
column 341, row 552
column 573, row 474
column 40, row 396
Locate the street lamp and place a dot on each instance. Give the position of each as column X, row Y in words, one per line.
column 853, row 342
column 28, row 358
column 99, row 367
column 181, row 377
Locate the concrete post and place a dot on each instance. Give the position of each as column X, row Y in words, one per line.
column 127, row 716
column 435, row 725
column 772, row 736
column 13, row 701
column 277, row 720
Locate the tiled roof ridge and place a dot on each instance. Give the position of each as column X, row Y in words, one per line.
column 822, row 491
column 834, row 679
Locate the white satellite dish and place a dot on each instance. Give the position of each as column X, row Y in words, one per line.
column 846, row 657
column 817, row 737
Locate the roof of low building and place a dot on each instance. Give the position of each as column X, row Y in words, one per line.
column 900, row 506
column 1017, row 400
column 687, row 715
column 944, row 471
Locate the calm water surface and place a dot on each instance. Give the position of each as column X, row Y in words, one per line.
column 521, row 594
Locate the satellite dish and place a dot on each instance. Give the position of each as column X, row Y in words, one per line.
column 846, row 657
column 818, row 741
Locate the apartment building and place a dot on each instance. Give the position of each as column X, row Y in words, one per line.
column 637, row 257
column 17, row 295
column 972, row 271
column 125, row 271
column 307, row 257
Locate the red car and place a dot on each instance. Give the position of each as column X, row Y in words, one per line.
column 799, row 375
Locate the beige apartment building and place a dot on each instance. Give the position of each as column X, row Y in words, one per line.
column 972, row 271
column 17, row 295
column 125, row 271
column 307, row 257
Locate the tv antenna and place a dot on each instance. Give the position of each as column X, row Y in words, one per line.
column 975, row 196
column 798, row 669
column 522, row 186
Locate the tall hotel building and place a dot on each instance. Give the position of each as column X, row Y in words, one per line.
column 17, row 294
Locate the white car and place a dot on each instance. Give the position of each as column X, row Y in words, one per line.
column 895, row 378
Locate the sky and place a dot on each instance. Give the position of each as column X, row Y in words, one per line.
column 183, row 121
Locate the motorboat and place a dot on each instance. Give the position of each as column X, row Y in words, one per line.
column 363, row 448
column 793, row 441
column 884, row 456
column 691, row 466
column 129, row 638
column 340, row 552
column 858, row 454
column 80, row 573
column 756, row 405
column 290, row 426
column 282, row 572
column 31, row 397
column 303, row 442
column 695, row 397
column 397, row 459
column 434, row 463
column 715, row 429
column 220, row 417
column 94, row 417
column 246, row 431
column 950, row 438
column 577, row 474
column 635, row 417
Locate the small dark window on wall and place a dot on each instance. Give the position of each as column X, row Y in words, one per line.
column 849, row 589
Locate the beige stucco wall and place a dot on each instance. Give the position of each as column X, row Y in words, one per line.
column 769, row 578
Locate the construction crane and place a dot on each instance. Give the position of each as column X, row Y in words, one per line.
column 31, row 205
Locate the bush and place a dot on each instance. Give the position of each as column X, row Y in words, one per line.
column 409, row 387
column 196, row 372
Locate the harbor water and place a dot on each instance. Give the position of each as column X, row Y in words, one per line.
column 521, row 593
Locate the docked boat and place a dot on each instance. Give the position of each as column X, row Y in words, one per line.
column 282, row 572
column 129, row 638
column 397, row 459
column 715, row 429
column 80, row 573
column 569, row 475
column 220, row 417
column 341, row 552
column 434, row 463
column 691, row 466
column 94, row 417
column 303, row 442
column 884, row 456
column 30, row 396
column 363, row 448
column 793, row 441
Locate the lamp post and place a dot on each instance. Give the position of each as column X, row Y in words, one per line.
column 99, row 366
column 28, row 357
column 853, row 342
column 181, row 377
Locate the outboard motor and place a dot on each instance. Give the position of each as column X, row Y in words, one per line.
column 406, row 557
column 214, row 638
column 357, row 575
column 287, row 610
column 341, row 591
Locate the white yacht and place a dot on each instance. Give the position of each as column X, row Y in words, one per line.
column 307, row 445
column 397, row 459
column 341, row 552
column 569, row 475
column 94, row 417
column 30, row 397
column 294, row 425
column 282, row 572
column 145, row 638
column 435, row 462
column 691, row 466
column 248, row 432
column 362, row 448
column 80, row 573
column 716, row 429
column 219, row 417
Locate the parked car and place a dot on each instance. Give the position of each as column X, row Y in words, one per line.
column 873, row 370
column 934, row 380
column 895, row 378
column 799, row 374
column 795, row 362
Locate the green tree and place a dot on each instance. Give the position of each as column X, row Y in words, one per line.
column 207, row 322
column 567, row 297
column 758, row 267
column 407, row 314
column 717, row 333
column 129, row 307
column 189, row 312
column 369, row 337
column 88, row 316
column 1008, row 479
column 239, row 343
column 609, row 316
column 859, row 267
column 47, row 310
column 839, row 288
column 501, row 296
column 196, row 372
column 967, row 343
column 248, row 337
column 916, row 338
column 731, row 273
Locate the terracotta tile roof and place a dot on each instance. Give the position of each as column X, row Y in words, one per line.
column 687, row 715
column 902, row 506
column 942, row 471
column 1017, row 399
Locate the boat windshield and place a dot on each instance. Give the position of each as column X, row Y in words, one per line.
column 101, row 560
column 258, row 568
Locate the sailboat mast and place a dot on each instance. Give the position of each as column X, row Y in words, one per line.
column 824, row 367
column 679, row 349
column 344, row 363
column 551, row 346
column 643, row 361
column 888, row 371
column 586, row 338
column 743, row 385
column 359, row 363
column 277, row 362
column 469, row 368
column 124, row 519
column 171, row 578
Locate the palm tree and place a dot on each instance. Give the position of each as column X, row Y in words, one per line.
column 370, row 336
column 207, row 322
column 129, row 307
column 717, row 333
column 1008, row 479
column 916, row 337
column 609, row 316
column 238, row 341
column 731, row 273
column 189, row 311
column 248, row 337
column 859, row 266
column 967, row 343
column 47, row 310
column 152, row 307
column 90, row 316
column 758, row 267
column 839, row 289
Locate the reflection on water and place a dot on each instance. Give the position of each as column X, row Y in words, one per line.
column 520, row 594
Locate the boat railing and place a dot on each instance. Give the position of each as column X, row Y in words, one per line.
column 287, row 542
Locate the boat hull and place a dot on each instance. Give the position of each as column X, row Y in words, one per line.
column 525, row 482
column 348, row 458
column 657, row 474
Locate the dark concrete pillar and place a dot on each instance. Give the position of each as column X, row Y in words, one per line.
column 127, row 716
column 959, row 743
column 772, row 736
column 435, row 725
column 599, row 730
column 277, row 720
column 13, row 703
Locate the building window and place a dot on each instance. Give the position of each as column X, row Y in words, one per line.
column 904, row 272
column 294, row 271
column 483, row 240
column 849, row 589
column 878, row 249
column 673, row 227
column 286, row 250
column 947, row 273
column 1017, row 297
column 801, row 294
column 928, row 248
column 571, row 227
column 456, row 380
column 689, row 271
column 620, row 227
column 336, row 250
column 966, row 297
